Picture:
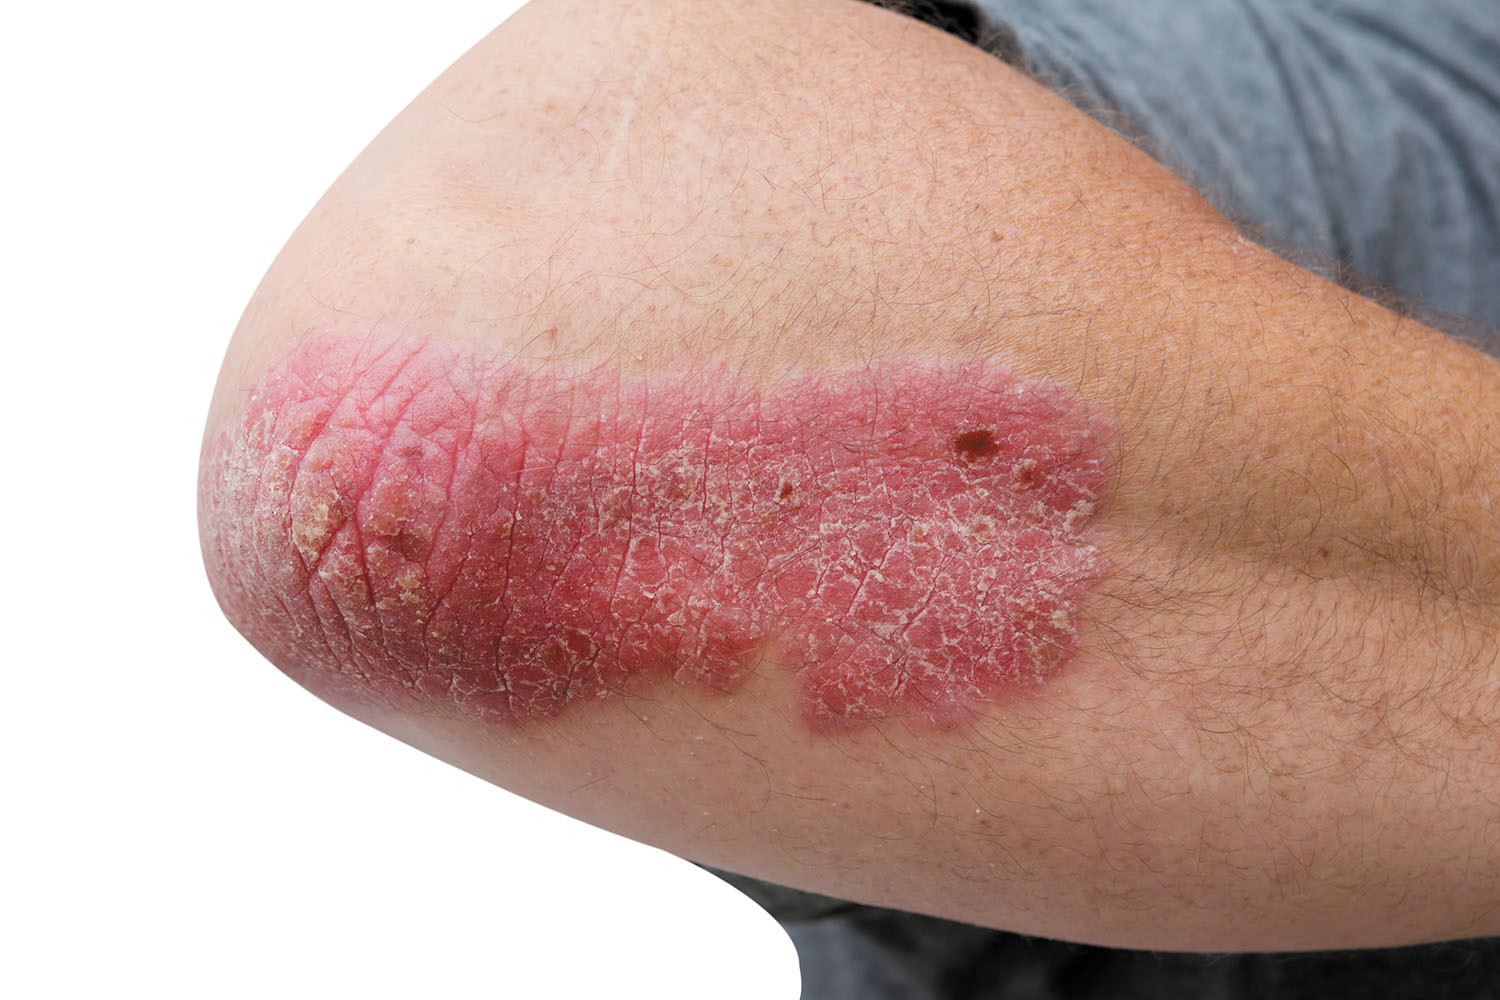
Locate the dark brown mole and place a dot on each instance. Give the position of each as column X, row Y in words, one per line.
column 786, row 491
column 971, row 446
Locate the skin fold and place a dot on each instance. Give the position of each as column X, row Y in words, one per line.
column 1264, row 715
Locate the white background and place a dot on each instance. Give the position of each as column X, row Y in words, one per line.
column 179, row 819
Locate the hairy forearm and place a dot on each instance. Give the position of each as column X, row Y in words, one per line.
column 1242, row 698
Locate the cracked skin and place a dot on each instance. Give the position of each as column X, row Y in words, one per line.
column 398, row 519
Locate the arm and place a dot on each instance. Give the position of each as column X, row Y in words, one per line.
column 1242, row 699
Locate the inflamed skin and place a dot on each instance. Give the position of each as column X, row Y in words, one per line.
column 402, row 520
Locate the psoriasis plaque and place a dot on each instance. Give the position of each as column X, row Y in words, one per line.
column 910, row 539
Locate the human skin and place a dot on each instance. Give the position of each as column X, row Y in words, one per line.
column 1270, row 722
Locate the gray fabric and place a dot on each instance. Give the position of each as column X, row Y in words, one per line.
column 1362, row 138
column 879, row 955
column 853, row 952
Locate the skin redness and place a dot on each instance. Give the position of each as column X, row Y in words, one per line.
column 403, row 520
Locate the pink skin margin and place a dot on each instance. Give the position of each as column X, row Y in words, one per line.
column 399, row 520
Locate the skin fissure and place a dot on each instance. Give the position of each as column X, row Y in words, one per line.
column 401, row 520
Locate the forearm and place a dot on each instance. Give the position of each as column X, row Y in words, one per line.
column 1269, row 722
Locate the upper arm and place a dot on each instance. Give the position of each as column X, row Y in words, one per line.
column 661, row 377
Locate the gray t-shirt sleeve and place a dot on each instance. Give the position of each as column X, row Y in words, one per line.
column 1362, row 137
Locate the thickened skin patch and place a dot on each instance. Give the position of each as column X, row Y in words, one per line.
column 408, row 521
